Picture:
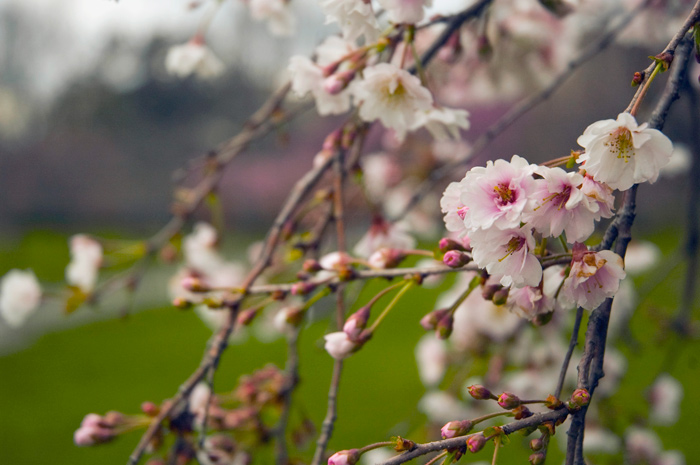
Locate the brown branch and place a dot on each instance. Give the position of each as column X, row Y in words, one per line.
column 292, row 373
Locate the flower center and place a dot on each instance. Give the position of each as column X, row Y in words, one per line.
column 558, row 198
column 462, row 212
column 514, row 244
column 506, row 194
column 621, row 143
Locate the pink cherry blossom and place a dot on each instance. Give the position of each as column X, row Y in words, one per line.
column 382, row 234
column 594, row 277
column 528, row 302
column 507, row 254
column 496, row 195
column 558, row 205
column 454, row 209
column 355, row 18
column 601, row 194
column 622, row 153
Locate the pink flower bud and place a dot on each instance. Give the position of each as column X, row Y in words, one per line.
column 508, row 400
column 500, row 297
column 580, row 397
column 246, row 317
column 302, row 288
column 339, row 345
column 150, row 409
column 537, row 459
column 193, row 284
column 445, row 326
column 476, row 443
column 429, row 322
column 455, row 259
column 456, row 428
column 446, row 244
column 181, row 303
column 333, row 84
column 536, row 444
column 93, row 430
column 344, row 457
column 479, row 392
column 332, row 141
column 312, row 266
column 356, row 323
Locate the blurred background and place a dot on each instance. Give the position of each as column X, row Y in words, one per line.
column 93, row 133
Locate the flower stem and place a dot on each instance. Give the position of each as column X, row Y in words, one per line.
column 318, row 296
column 488, row 417
column 376, row 445
column 472, row 285
column 391, row 305
column 647, row 84
column 497, row 444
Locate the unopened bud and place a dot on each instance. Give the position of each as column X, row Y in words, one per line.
column 479, row 392
column 246, row 317
column 537, row 444
column 455, row 259
column 637, row 79
column 456, row 428
column 302, row 288
column 430, row 321
column 476, row 443
column 150, row 409
column 508, row 400
column 488, row 291
column 193, row 284
column 345, row 457
column 537, row 459
column 445, row 326
column 665, row 58
column 521, row 412
column 580, row 398
column 310, row 265
column 346, row 273
column 349, row 133
column 500, row 297
column 181, row 303
column 403, row 444
column 446, row 244
column 332, row 141
column 356, row 323
column 278, row 295
column 552, row 402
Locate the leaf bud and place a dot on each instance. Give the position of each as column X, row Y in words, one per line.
column 403, row 444
column 479, row 392
column 508, row 400
column 476, row 443
column 537, row 444
column 552, row 402
column 521, row 412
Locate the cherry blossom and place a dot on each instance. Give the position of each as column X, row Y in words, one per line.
column 529, row 302
column 443, row 123
column 339, row 345
column 86, row 259
column 405, row 11
column 193, row 57
column 507, row 254
column 622, row 153
column 355, row 18
column 665, row 397
column 431, row 357
column 20, row 295
column 497, row 195
column 454, row 209
column 594, row 277
column 392, row 95
column 383, row 234
column 276, row 13
column 558, row 205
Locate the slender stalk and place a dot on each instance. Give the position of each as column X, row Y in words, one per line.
column 391, row 305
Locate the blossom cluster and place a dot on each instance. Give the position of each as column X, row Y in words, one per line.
column 506, row 211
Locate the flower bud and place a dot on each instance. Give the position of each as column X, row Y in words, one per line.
column 150, row 409
column 521, row 412
column 356, row 323
column 181, row 303
column 537, row 459
column 429, row 321
column 488, row 291
column 345, row 457
column 537, row 444
column 339, row 345
column 580, row 398
column 445, row 326
column 479, row 392
column 302, row 288
column 455, row 259
column 508, row 400
column 332, row 141
column 193, row 284
column 500, row 297
column 310, row 265
column 476, row 443
column 246, row 317
column 456, row 428
column 446, row 244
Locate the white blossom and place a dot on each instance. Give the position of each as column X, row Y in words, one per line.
column 431, row 358
column 621, row 153
column 277, row 14
column 443, row 123
column 20, row 295
column 392, row 95
column 405, row 11
column 86, row 259
column 355, row 18
column 338, row 345
column 594, row 277
column 193, row 57
column 665, row 398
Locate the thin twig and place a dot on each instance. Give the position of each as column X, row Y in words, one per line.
column 292, row 374
column 567, row 358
